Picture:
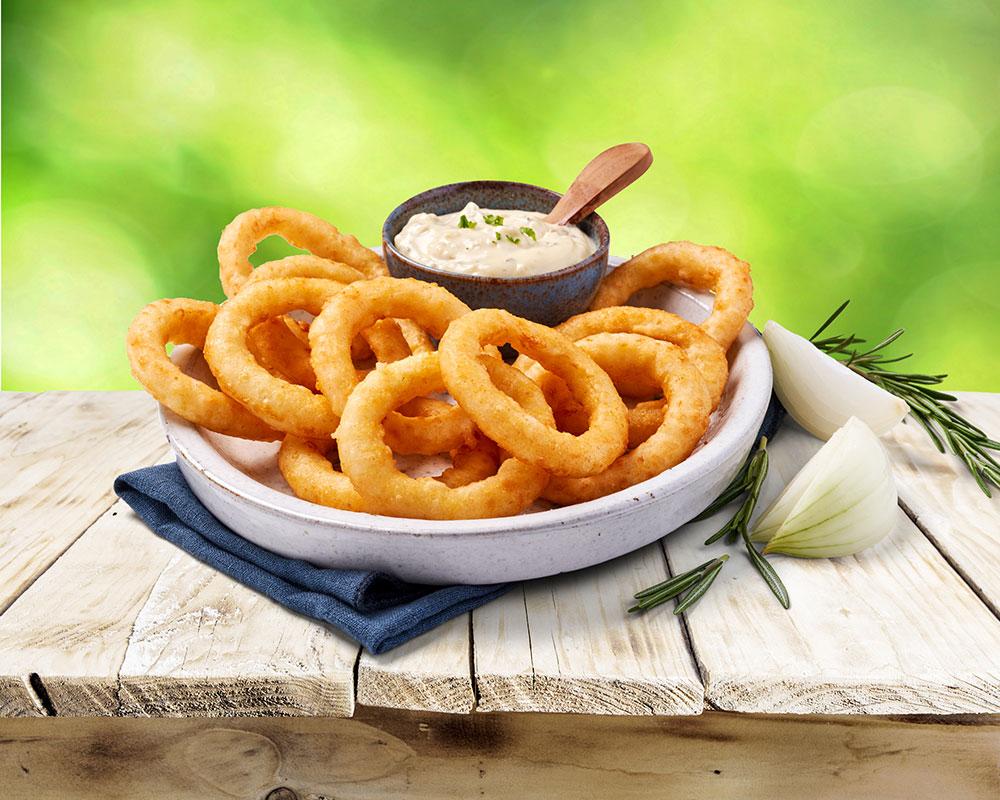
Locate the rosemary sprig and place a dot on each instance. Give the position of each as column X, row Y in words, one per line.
column 928, row 406
column 698, row 580
column 695, row 582
column 752, row 475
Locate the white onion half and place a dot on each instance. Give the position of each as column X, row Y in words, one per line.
column 820, row 393
column 842, row 501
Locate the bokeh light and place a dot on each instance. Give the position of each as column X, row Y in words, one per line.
column 844, row 149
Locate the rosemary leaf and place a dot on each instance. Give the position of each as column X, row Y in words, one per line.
column 659, row 594
column 653, row 600
column 767, row 572
column 659, row 587
column 701, row 587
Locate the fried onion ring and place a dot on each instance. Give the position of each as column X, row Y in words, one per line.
column 427, row 426
column 643, row 418
column 424, row 426
column 707, row 269
column 499, row 417
column 397, row 338
column 306, row 467
column 183, row 321
column 387, row 342
column 359, row 307
column 312, row 476
column 300, row 229
column 699, row 348
column 283, row 405
column 304, row 265
column 277, row 345
column 310, row 266
column 365, row 303
column 685, row 418
column 471, row 463
column 368, row 461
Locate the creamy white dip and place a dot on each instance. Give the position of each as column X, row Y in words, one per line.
column 495, row 242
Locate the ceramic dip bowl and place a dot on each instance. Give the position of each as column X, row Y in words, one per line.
column 549, row 298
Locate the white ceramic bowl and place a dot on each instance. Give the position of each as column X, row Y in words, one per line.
column 238, row 481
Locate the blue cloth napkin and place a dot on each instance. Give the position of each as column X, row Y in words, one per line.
column 372, row 608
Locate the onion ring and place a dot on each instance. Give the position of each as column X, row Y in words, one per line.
column 471, row 463
column 311, row 475
column 304, row 265
column 300, row 229
column 643, row 418
column 368, row 461
column 427, row 426
column 685, row 418
column 359, row 307
column 365, row 303
column 183, row 321
column 423, row 426
column 310, row 266
column 278, row 346
column 283, row 405
column 407, row 335
column 708, row 269
column 699, row 348
column 387, row 342
column 306, row 467
column 503, row 421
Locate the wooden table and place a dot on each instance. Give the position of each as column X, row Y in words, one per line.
column 883, row 679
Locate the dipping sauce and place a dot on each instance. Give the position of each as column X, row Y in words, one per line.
column 495, row 242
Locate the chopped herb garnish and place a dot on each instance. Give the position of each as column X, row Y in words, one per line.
column 529, row 232
column 463, row 222
column 492, row 219
column 498, row 236
column 510, row 238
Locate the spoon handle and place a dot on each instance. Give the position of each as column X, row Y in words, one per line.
column 600, row 180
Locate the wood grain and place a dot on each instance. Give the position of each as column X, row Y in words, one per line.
column 11, row 400
column 204, row 645
column 72, row 626
column 431, row 672
column 944, row 500
column 893, row 630
column 386, row 753
column 59, row 454
column 124, row 623
column 568, row 644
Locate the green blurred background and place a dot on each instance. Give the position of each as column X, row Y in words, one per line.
column 845, row 149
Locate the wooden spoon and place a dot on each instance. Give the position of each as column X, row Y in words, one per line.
column 600, row 180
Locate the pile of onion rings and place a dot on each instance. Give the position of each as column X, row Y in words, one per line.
column 355, row 373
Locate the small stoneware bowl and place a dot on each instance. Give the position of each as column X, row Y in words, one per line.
column 549, row 298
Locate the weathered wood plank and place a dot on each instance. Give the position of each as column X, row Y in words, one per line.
column 385, row 753
column 893, row 630
column 59, row 454
column 431, row 672
column 568, row 644
column 72, row 626
column 944, row 500
column 11, row 400
column 204, row 645
column 124, row 623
